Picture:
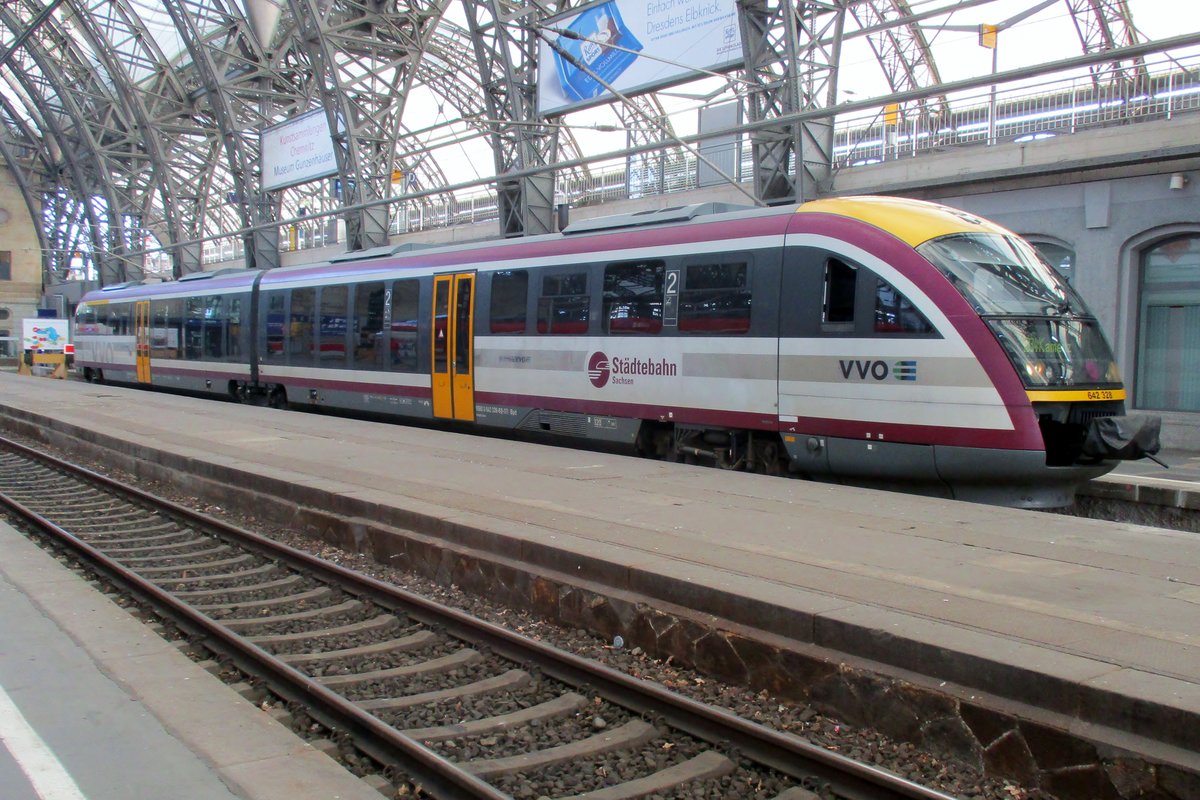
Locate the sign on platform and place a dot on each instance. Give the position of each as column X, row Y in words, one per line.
column 46, row 336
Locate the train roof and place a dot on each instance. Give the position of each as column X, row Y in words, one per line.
column 222, row 280
column 913, row 221
column 643, row 229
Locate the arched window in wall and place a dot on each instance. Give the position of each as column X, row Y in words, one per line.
column 1169, row 326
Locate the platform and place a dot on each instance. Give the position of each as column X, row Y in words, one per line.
column 95, row 706
column 1078, row 635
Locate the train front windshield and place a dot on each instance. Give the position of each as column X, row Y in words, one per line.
column 1049, row 334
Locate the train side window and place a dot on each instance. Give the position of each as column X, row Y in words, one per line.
column 510, row 295
column 233, row 332
column 276, row 303
column 406, row 318
column 118, row 319
column 193, row 329
column 838, row 305
column 215, row 327
column 370, row 300
column 175, row 317
column 166, row 322
column 331, row 327
column 633, row 297
column 715, row 299
column 895, row 313
column 300, row 326
column 563, row 307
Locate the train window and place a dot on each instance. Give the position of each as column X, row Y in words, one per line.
column 331, row 328
column 233, row 347
column 125, row 318
column 370, row 300
column 895, row 313
column 405, row 315
column 118, row 319
column 633, row 297
column 840, row 280
column 193, row 328
column 564, row 304
column 510, row 290
column 300, row 326
column 5, row 265
column 166, row 320
column 276, row 304
column 215, row 327
column 441, row 330
column 462, row 325
column 715, row 299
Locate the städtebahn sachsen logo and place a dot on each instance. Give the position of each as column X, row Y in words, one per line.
column 598, row 369
column 602, row 370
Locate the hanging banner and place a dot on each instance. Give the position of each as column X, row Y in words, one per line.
column 634, row 46
column 297, row 151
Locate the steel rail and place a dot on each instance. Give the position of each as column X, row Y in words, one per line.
column 437, row 775
column 787, row 753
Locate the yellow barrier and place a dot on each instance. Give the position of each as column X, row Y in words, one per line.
column 46, row 365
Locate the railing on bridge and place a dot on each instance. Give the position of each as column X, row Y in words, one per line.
column 1160, row 90
column 1025, row 113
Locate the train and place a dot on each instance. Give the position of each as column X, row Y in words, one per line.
column 869, row 340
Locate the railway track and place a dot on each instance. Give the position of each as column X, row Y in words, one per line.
column 461, row 707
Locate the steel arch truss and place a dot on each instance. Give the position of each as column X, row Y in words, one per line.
column 902, row 49
column 90, row 126
column 791, row 49
column 1105, row 25
column 505, row 40
column 154, row 100
column 365, row 56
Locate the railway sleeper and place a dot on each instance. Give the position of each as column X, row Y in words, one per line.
column 634, row 733
column 561, row 706
column 460, row 658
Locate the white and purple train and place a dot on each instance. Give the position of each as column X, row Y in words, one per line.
column 869, row 340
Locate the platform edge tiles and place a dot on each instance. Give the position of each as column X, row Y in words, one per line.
column 246, row 749
column 911, row 675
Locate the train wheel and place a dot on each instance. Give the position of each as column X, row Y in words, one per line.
column 277, row 398
column 769, row 456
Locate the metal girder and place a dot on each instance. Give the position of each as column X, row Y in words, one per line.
column 505, row 46
column 365, row 58
column 21, row 151
column 791, row 49
column 30, row 157
column 87, row 125
column 244, row 92
column 118, row 40
column 902, row 49
column 1104, row 25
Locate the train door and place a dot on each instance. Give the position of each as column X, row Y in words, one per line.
column 141, row 332
column 454, row 346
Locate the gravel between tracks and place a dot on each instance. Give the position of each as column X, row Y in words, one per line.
column 864, row 744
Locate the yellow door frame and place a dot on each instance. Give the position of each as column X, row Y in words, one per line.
column 453, row 346
column 141, row 332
